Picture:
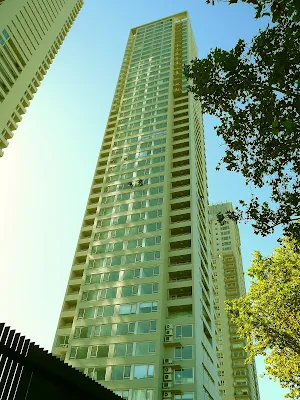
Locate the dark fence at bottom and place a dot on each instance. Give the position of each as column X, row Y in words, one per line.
column 28, row 372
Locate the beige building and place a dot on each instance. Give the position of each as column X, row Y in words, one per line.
column 138, row 314
column 237, row 380
column 31, row 33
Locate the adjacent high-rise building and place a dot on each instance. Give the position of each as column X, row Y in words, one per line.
column 237, row 380
column 138, row 311
column 31, row 33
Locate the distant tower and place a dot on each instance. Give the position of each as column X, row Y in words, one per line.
column 31, row 33
column 237, row 380
column 138, row 311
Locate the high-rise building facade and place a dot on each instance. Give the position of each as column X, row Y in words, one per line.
column 237, row 380
column 138, row 311
column 31, row 33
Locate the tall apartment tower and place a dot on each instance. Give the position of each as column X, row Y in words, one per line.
column 31, row 33
column 237, row 380
column 138, row 310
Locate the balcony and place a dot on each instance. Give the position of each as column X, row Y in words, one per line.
column 182, row 163
column 180, row 218
column 180, row 145
column 180, row 183
column 180, row 310
column 69, row 305
column 180, row 259
column 68, row 314
column 180, row 245
column 65, row 322
column 180, row 206
column 180, row 194
column 180, row 293
column 180, row 231
column 182, row 153
column 180, row 172
column 98, row 180
column 180, row 276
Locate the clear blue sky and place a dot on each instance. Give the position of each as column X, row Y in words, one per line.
column 48, row 167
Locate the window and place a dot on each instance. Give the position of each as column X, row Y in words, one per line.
column 146, row 327
column 184, row 396
column 151, row 271
column 128, row 291
column 106, row 311
column 152, row 241
column 86, row 312
column 185, row 375
column 145, row 348
column 62, row 340
column 126, row 309
column 149, row 288
column 184, row 353
column 143, row 371
column 83, row 332
column 79, row 352
column 142, row 394
column 184, row 331
column 148, row 307
column 123, row 349
column 120, row 372
column 131, row 274
column 97, row 373
column 111, row 276
column 103, row 330
column 125, row 329
column 99, row 351
column 122, row 393
column 109, row 293
column 95, row 278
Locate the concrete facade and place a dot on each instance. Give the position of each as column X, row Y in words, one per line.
column 31, row 33
column 138, row 311
column 237, row 380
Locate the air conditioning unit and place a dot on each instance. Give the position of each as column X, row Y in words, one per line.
column 167, row 395
column 169, row 326
column 169, row 332
column 167, row 377
column 167, row 385
column 167, row 370
column 168, row 361
column 168, row 339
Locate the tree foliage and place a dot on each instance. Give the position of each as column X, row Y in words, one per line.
column 254, row 91
column 268, row 317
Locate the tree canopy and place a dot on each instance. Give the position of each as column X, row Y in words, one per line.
column 268, row 317
column 254, row 91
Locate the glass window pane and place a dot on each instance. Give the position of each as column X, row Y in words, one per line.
column 120, row 233
column 147, row 272
column 99, row 374
column 117, row 373
column 106, row 330
column 187, row 353
column 145, row 308
column 129, row 274
column 116, row 261
column 141, row 349
column 114, row 276
column 108, row 311
column 125, row 309
column 120, row 350
column 150, row 371
column 187, row 331
column 82, row 352
column 140, row 371
column 143, row 327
